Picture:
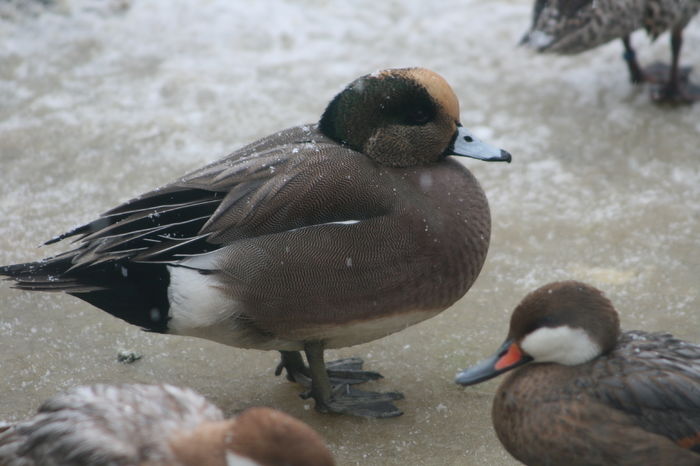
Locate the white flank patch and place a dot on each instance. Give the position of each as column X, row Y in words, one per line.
column 196, row 301
column 563, row 345
column 199, row 308
column 233, row 459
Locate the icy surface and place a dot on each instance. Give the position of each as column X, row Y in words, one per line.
column 101, row 100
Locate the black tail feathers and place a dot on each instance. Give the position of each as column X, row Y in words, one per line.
column 134, row 292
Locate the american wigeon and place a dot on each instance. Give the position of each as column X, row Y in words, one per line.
column 320, row 236
column 589, row 394
column 156, row 425
column 569, row 27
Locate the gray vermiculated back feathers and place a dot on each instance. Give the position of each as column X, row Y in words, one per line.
column 104, row 424
column 570, row 27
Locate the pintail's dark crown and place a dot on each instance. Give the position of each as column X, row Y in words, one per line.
column 571, row 304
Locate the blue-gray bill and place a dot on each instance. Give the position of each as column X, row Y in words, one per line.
column 468, row 145
column 509, row 356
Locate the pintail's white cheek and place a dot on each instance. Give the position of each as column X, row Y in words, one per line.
column 563, row 345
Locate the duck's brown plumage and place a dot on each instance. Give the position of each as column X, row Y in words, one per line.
column 636, row 402
column 330, row 234
column 155, row 425
column 275, row 210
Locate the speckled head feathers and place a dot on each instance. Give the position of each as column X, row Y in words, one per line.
column 398, row 117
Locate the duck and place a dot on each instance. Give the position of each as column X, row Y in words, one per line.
column 571, row 27
column 583, row 392
column 158, row 425
column 319, row 236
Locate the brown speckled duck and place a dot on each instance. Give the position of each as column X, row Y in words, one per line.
column 319, row 236
column 589, row 394
column 574, row 26
column 155, row 425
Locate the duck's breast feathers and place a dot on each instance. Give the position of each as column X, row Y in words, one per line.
column 655, row 379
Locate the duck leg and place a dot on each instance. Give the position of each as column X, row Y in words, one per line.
column 343, row 371
column 656, row 73
column 677, row 90
column 343, row 398
column 297, row 371
column 637, row 76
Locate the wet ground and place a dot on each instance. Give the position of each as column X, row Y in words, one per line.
column 100, row 101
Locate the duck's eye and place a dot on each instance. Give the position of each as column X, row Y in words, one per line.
column 418, row 116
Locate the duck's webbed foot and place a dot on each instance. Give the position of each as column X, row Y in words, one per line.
column 331, row 387
column 659, row 73
column 656, row 73
column 676, row 93
column 346, row 371
column 676, row 88
column 345, row 399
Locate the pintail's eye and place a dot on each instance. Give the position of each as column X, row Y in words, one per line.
column 418, row 116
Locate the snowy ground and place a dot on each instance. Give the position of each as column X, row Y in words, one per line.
column 102, row 100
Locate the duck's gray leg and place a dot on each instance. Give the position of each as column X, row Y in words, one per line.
column 342, row 398
column 656, row 73
column 630, row 56
column 677, row 89
column 292, row 362
column 343, row 371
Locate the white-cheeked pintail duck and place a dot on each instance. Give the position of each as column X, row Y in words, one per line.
column 587, row 393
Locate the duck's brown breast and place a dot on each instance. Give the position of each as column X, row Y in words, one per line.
column 409, row 240
column 452, row 226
